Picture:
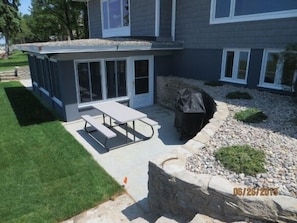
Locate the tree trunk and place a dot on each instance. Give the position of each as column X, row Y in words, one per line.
column 68, row 23
column 6, row 54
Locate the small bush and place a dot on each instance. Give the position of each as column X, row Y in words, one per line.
column 238, row 95
column 251, row 115
column 213, row 83
column 242, row 159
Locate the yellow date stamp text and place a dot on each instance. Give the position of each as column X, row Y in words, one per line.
column 255, row 191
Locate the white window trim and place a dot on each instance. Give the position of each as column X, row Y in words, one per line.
column 235, row 67
column 80, row 104
column 44, row 91
column 90, row 104
column 112, row 32
column 149, row 96
column 275, row 85
column 245, row 18
column 103, row 81
column 57, row 101
column 157, row 18
column 173, row 20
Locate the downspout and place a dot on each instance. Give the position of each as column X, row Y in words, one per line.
column 89, row 24
column 157, row 18
column 173, row 20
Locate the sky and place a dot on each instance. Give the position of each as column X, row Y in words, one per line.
column 24, row 9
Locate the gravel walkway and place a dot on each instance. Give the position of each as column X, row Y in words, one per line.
column 276, row 136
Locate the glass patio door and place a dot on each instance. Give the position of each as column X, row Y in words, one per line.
column 116, row 78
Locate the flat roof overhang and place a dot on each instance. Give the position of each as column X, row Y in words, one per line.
column 97, row 45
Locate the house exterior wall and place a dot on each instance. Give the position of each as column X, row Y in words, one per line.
column 204, row 42
column 254, row 68
column 192, row 27
column 95, row 25
column 142, row 18
column 165, row 18
column 68, row 90
column 202, row 64
column 69, row 109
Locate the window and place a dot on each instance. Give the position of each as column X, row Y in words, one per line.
column 89, row 81
column 33, row 72
column 276, row 73
column 116, row 78
column 225, row 11
column 115, row 18
column 235, row 65
column 56, row 92
column 141, row 76
column 42, row 74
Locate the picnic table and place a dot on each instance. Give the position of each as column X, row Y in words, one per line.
column 122, row 115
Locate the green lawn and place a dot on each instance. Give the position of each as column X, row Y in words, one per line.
column 17, row 58
column 45, row 175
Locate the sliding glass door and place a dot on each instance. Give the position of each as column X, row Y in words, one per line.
column 89, row 81
column 116, row 78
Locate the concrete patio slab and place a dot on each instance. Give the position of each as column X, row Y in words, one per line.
column 131, row 161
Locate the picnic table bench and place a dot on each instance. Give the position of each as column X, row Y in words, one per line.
column 108, row 133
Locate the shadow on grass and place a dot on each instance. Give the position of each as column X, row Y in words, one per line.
column 28, row 110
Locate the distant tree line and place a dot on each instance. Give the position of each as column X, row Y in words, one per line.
column 50, row 20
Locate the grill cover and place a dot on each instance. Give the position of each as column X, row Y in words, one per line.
column 193, row 109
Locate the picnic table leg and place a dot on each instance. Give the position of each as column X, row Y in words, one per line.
column 134, row 131
column 105, row 145
column 103, row 118
column 126, row 126
column 85, row 127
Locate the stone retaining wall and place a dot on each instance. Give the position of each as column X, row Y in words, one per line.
column 175, row 190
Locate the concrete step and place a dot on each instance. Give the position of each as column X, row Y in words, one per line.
column 120, row 210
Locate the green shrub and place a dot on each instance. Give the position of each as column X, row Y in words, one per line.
column 213, row 83
column 242, row 159
column 251, row 115
column 238, row 95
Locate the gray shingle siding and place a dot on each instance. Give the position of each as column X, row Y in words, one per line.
column 142, row 15
column 95, row 25
column 165, row 18
column 192, row 27
column 202, row 64
column 68, row 90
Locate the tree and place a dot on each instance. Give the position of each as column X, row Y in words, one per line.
column 9, row 21
column 66, row 17
column 42, row 24
column 26, row 34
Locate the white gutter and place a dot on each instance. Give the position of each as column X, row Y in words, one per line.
column 173, row 20
column 157, row 18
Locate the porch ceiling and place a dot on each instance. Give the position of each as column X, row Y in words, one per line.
column 97, row 45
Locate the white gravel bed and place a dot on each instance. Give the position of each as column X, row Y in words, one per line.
column 276, row 136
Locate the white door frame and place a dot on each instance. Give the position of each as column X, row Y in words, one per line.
column 145, row 99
